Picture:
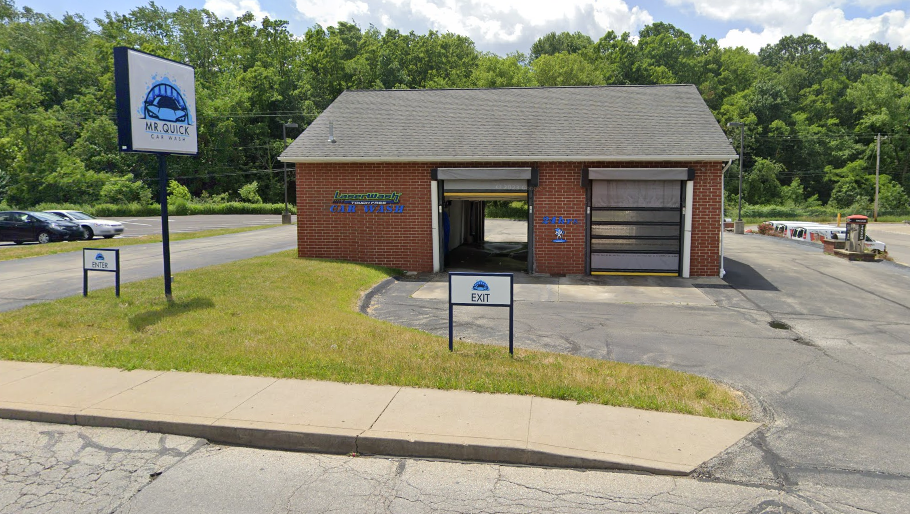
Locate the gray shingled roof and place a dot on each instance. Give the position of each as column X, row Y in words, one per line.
column 515, row 124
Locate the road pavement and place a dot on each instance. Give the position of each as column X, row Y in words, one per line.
column 144, row 226
column 831, row 384
column 833, row 392
column 78, row 470
column 135, row 227
column 37, row 279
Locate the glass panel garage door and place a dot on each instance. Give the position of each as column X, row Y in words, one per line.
column 636, row 226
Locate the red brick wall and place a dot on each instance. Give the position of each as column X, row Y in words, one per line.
column 707, row 220
column 559, row 194
column 405, row 240
column 398, row 240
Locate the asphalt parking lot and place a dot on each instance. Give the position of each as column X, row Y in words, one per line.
column 49, row 277
column 143, row 226
column 820, row 345
column 896, row 236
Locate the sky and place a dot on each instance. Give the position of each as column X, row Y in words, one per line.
column 504, row 26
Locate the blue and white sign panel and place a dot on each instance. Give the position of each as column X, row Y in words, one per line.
column 156, row 103
column 481, row 289
column 99, row 260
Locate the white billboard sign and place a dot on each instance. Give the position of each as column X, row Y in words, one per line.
column 156, row 103
column 480, row 289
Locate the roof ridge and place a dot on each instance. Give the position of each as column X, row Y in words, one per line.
column 603, row 86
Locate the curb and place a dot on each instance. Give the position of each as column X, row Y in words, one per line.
column 364, row 304
column 345, row 444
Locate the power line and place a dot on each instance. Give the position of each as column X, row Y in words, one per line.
column 212, row 175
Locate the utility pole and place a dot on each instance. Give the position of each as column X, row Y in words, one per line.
column 878, row 160
column 738, row 225
column 286, row 216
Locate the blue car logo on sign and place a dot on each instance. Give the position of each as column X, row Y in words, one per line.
column 480, row 285
column 164, row 102
column 99, row 257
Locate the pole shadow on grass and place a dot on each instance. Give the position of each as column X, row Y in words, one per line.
column 141, row 321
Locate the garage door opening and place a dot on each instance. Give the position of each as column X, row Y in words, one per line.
column 468, row 240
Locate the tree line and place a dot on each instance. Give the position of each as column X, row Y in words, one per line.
column 811, row 114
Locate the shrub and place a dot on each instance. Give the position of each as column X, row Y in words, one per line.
column 124, row 189
column 205, row 197
column 178, row 208
column 766, row 229
column 177, row 191
column 507, row 210
column 249, row 193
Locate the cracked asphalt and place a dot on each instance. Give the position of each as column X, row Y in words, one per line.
column 63, row 469
column 832, row 391
column 831, row 386
column 59, row 468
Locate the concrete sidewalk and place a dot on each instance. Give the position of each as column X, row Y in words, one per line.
column 329, row 417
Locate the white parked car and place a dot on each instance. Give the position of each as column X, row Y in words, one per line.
column 91, row 226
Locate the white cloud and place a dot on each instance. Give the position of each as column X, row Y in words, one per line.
column 330, row 12
column 751, row 40
column 235, row 8
column 824, row 19
column 832, row 26
column 783, row 14
column 501, row 25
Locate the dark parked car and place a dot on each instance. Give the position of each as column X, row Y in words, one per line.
column 21, row 226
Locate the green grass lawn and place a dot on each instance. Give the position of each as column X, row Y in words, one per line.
column 281, row 316
column 37, row 250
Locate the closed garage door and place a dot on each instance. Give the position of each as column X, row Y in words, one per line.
column 636, row 226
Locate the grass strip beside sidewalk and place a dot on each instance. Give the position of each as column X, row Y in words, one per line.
column 37, row 250
column 280, row 316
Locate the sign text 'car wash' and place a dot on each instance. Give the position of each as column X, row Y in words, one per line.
column 481, row 290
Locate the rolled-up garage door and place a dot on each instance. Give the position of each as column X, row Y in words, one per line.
column 481, row 184
column 636, row 226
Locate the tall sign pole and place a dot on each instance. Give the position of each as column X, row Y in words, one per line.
column 286, row 216
column 165, row 231
column 156, row 114
column 878, row 160
column 739, row 226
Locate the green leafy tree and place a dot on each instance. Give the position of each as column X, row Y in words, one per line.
column 249, row 193
column 565, row 70
column 510, row 71
column 177, row 191
column 72, row 183
column 562, row 42
column 125, row 189
column 794, row 194
column 761, row 185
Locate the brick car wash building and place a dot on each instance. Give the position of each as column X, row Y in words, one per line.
column 619, row 179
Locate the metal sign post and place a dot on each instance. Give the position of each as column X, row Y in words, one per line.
column 482, row 290
column 100, row 259
column 165, row 232
column 156, row 113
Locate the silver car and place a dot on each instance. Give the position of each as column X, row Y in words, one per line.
column 91, row 226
